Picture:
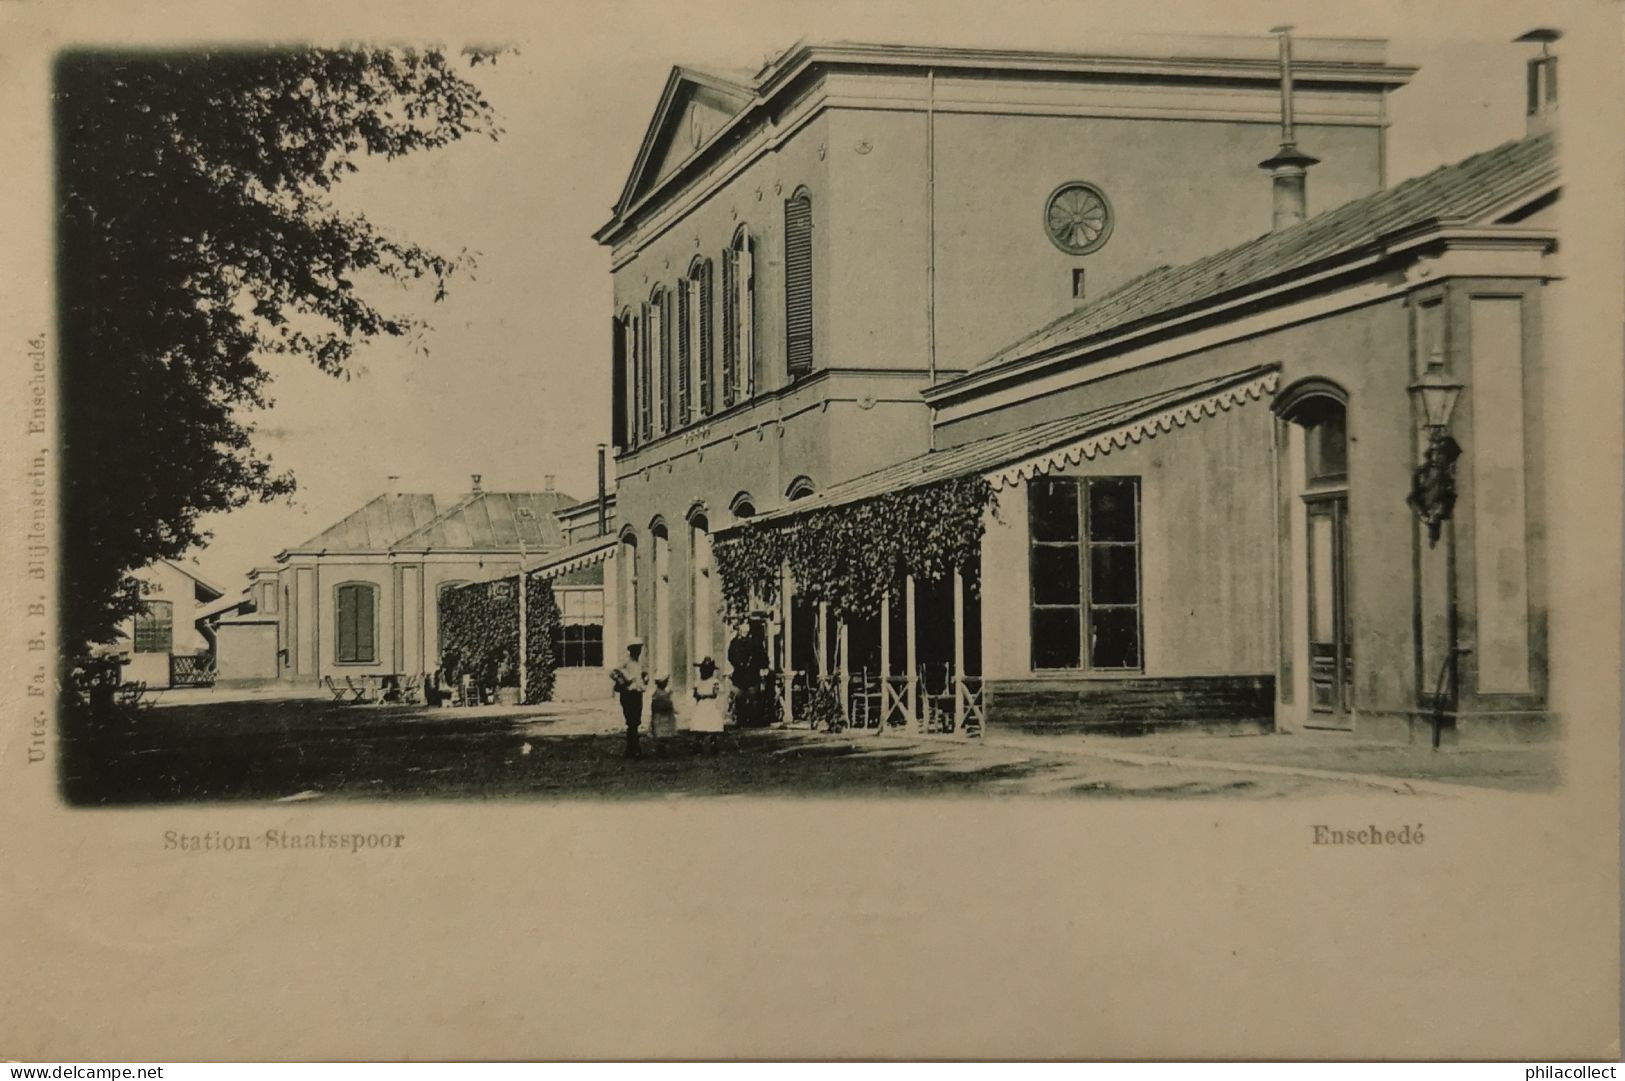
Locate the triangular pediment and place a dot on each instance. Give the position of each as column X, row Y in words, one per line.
column 694, row 106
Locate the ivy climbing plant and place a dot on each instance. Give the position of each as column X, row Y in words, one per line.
column 848, row 556
column 480, row 635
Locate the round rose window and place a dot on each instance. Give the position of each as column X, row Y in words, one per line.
column 1077, row 218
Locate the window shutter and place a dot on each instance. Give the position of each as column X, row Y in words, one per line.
column 798, row 299
column 345, row 646
column 747, row 318
column 660, row 344
column 730, row 327
column 617, row 377
column 706, row 336
column 685, row 358
column 363, row 604
column 645, row 383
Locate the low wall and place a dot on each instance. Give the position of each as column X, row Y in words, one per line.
column 1131, row 705
column 580, row 684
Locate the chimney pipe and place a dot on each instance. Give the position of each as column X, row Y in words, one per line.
column 474, row 485
column 547, row 482
column 603, row 497
column 1541, row 110
column 394, row 484
column 1289, row 167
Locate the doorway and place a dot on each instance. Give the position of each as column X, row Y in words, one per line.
column 1321, row 622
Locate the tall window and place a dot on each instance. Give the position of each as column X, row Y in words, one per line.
column 627, row 567
column 1085, row 572
column 623, row 381
column 798, row 285
column 688, row 325
column 703, row 336
column 155, row 628
column 644, row 391
column 739, row 319
column 660, row 352
column 581, row 642
column 356, row 613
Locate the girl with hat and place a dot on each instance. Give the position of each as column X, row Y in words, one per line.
column 707, row 716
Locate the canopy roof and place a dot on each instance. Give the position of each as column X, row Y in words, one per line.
column 1011, row 457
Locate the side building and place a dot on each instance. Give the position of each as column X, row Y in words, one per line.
column 170, row 643
column 362, row 596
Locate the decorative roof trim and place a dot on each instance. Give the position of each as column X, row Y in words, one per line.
column 603, row 553
column 1137, row 431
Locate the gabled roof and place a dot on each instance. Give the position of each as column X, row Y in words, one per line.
column 417, row 521
column 375, row 527
column 494, row 520
column 1010, row 456
column 205, row 589
column 733, row 90
column 1472, row 191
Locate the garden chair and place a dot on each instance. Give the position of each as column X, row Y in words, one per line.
column 412, row 690
column 357, row 694
column 938, row 700
column 334, row 689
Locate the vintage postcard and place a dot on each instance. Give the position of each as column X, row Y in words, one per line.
column 920, row 530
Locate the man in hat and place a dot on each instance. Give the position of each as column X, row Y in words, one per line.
column 630, row 680
column 747, row 657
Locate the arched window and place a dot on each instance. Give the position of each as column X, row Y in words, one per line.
column 742, row 505
column 659, row 348
column 658, row 649
column 739, row 319
column 625, row 379
column 701, row 587
column 355, row 614
column 798, row 285
column 695, row 351
column 155, row 628
column 627, row 595
column 800, row 488
column 1320, row 408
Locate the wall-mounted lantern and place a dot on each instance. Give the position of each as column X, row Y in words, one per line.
column 1433, row 484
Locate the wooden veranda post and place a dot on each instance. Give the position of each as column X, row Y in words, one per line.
column 959, row 651
column 909, row 651
column 841, row 666
column 787, row 597
column 885, row 660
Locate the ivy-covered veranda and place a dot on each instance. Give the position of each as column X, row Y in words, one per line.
column 872, row 590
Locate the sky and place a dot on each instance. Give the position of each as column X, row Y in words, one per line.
column 514, row 381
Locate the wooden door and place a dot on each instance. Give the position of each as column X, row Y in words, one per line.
column 1331, row 658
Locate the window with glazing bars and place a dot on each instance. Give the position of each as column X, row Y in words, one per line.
column 581, row 636
column 1085, row 566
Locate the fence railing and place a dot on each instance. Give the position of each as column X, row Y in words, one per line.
column 933, row 700
column 191, row 670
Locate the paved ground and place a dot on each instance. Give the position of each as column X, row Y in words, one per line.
column 197, row 746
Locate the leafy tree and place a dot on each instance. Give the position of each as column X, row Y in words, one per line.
column 197, row 237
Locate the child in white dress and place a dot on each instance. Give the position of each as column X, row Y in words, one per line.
column 707, row 716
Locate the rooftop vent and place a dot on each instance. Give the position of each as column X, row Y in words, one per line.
column 1289, row 167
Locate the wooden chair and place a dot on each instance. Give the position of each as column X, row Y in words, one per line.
column 357, row 694
column 412, row 690
column 334, row 689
